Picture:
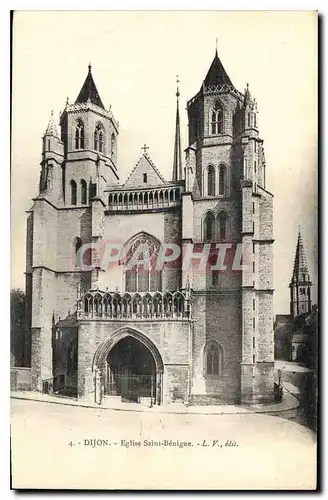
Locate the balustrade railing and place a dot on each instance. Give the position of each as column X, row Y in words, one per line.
column 109, row 306
column 145, row 199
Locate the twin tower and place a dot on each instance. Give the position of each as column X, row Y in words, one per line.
column 209, row 332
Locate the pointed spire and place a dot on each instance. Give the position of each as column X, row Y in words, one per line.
column 51, row 128
column 89, row 92
column 300, row 264
column 217, row 75
column 248, row 96
column 177, row 163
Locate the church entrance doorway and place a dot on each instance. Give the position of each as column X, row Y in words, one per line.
column 131, row 372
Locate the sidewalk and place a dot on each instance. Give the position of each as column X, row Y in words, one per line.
column 289, row 402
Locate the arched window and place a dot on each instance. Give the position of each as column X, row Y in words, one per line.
column 73, row 192
column 77, row 245
column 222, row 179
column 217, row 119
column 213, row 359
column 79, row 135
column 83, row 192
column 210, row 181
column 141, row 276
column 222, row 225
column 99, row 138
column 209, row 227
column 112, row 144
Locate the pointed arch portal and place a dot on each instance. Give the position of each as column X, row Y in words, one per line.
column 130, row 366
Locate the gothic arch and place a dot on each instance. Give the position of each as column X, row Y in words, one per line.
column 84, row 192
column 73, row 193
column 209, row 180
column 217, row 349
column 223, row 177
column 77, row 243
column 138, row 276
column 79, row 134
column 223, row 229
column 208, row 226
column 99, row 138
column 112, row 144
column 142, row 234
column 216, row 118
column 104, row 348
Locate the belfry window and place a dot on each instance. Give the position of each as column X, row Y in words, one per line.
column 217, row 119
column 222, row 180
column 77, row 245
column 73, row 192
column 79, row 135
column 112, row 144
column 99, row 139
column 222, row 223
column 209, row 227
column 83, row 192
column 210, row 181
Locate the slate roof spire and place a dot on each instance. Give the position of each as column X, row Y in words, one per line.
column 300, row 264
column 51, row 128
column 217, row 75
column 177, row 163
column 89, row 92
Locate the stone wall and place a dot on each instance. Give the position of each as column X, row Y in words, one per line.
column 217, row 317
column 171, row 338
column 20, row 378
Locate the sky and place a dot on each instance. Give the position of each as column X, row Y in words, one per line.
column 135, row 58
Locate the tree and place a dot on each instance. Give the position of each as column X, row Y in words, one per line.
column 17, row 325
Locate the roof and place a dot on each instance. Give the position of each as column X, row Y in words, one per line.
column 144, row 165
column 89, row 92
column 69, row 321
column 177, row 163
column 300, row 264
column 51, row 128
column 300, row 338
column 283, row 318
column 217, row 75
column 283, row 331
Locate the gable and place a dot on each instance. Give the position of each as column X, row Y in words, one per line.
column 144, row 166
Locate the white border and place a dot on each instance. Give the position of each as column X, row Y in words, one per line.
column 5, row 172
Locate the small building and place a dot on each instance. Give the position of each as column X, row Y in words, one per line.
column 283, row 329
column 300, row 343
column 291, row 333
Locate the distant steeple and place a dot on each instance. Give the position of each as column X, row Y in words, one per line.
column 217, row 75
column 51, row 128
column 89, row 92
column 300, row 264
column 300, row 285
column 177, row 163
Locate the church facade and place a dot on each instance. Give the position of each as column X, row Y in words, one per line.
column 180, row 325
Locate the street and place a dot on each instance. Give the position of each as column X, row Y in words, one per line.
column 56, row 446
column 302, row 383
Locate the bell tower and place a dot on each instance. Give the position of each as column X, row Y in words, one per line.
column 89, row 133
column 231, row 208
column 300, row 285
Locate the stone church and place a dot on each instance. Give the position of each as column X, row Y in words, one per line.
column 293, row 339
column 131, row 329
